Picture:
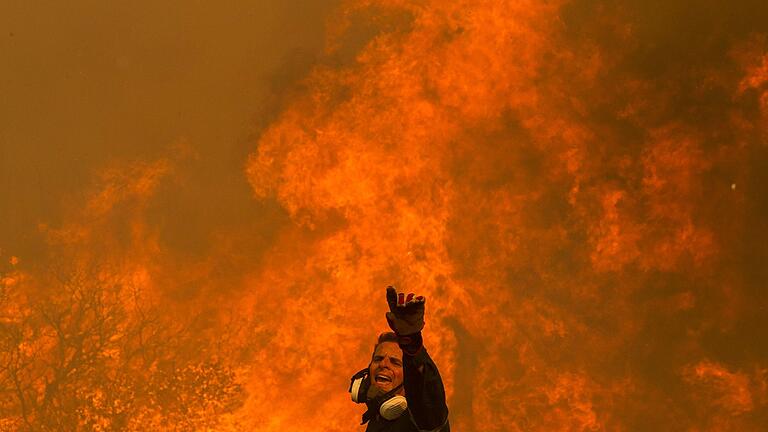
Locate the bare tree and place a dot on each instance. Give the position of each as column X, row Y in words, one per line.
column 83, row 353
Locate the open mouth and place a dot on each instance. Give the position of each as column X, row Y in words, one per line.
column 383, row 379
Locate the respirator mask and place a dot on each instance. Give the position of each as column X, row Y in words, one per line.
column 389, row 405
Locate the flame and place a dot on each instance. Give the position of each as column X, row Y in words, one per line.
column 547, row 200
column 558, row 179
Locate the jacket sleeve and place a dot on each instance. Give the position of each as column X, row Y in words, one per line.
column 424, row 392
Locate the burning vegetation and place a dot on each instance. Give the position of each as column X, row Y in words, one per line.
column 578, row 187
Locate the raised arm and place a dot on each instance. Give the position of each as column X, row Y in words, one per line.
column 423, row 386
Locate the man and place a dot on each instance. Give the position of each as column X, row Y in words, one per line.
column 404, row 391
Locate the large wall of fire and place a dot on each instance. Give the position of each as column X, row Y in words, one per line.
column 579, row 188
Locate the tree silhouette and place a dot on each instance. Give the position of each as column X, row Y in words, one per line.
column 86, row 352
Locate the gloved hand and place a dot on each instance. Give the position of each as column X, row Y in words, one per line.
column 406, row 312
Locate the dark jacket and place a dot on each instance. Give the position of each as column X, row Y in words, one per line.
column 425, row 394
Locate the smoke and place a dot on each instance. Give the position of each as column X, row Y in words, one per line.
column 577, row 187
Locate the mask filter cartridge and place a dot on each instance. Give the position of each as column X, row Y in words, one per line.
column 393, row 408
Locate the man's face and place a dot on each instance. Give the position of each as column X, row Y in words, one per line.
column 386, row 369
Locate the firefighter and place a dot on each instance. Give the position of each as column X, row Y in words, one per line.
column 401, row 386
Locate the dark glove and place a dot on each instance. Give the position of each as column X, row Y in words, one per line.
column 406, row 312
column 406, row 319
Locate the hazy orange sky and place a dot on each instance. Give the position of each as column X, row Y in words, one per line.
column 579, row 188
column 86, row 84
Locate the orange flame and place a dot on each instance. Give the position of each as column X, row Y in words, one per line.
column 471, row 154
column 579, row 195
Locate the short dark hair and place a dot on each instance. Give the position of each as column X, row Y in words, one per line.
column 384, row 337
